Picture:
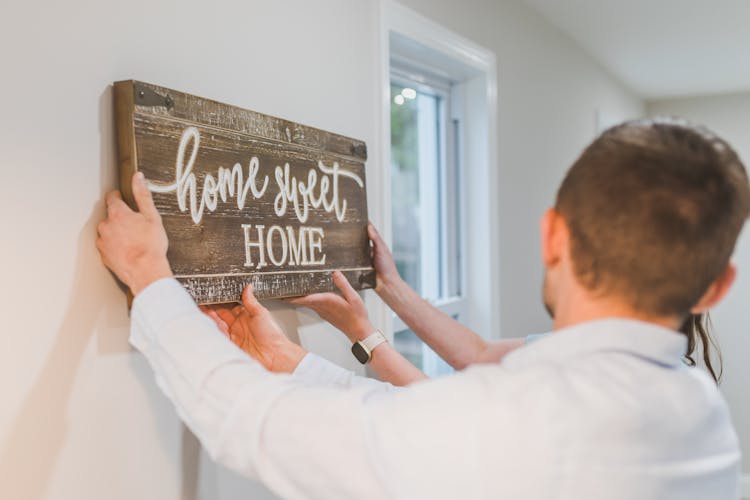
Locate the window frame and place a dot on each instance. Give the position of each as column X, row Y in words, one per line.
column 451, row 300
column 473, row 67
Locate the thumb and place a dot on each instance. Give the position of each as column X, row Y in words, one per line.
column 378, row 245
column 345, row 287
column 252, row 306
column 314, row 301
column 142, row 196
column 373, row 234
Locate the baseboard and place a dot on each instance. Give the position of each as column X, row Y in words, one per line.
column 745, row 488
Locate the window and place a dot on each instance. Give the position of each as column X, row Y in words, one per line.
column 437, row 193
column 425, row 201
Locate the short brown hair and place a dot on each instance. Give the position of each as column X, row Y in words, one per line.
column 654, row 208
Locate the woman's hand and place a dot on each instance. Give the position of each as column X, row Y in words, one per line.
column 252, row 328
column 347, row 311
column 382, row 259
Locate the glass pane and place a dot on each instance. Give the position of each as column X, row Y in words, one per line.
column 410, row 346
column 415, row 158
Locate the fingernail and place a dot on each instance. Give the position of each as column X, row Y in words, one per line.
column 140, row 177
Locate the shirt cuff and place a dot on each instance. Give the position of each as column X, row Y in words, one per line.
column 534, row 337
column 157, row 304
column 315, row 369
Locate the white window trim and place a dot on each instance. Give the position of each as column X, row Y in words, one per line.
column 480, row 218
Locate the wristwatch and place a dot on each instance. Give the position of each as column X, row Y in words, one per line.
column 362, row 349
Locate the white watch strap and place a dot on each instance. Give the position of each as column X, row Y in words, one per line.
column 374, row 340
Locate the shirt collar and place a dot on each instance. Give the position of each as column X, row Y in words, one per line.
column 645, row 340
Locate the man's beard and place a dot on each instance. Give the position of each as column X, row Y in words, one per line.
column 547, row 297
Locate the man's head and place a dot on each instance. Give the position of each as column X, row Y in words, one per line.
column 647, row 217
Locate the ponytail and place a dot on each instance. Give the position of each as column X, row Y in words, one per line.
column 697, row 328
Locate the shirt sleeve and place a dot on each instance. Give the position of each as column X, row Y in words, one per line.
column 315, row 370
column 533, row 337
column 302, row 441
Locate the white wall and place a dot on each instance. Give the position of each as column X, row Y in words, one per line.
column 728, row 116
column 81, row 417
column 548, row 94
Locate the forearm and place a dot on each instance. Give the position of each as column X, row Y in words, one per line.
column 458, row 345
column 391, row 366
column 314, row 370
column 202, row 372
column 495, row 351
column 387, row 363
column 262, row 425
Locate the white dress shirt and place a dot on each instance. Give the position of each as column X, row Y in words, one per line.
column 602, row 410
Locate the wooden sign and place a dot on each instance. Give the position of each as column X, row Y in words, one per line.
column 245, row 197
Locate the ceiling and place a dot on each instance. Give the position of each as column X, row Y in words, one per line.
column 662, row 48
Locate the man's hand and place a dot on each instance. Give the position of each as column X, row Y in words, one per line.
column 252, row 328
column 382, row 259
column 134, row 244
column 347, row 311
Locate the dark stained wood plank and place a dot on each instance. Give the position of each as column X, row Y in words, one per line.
column 222, row 177
column 205, row 290
column 161, row 101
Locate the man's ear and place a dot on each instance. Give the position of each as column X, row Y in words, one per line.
column 550, row 229
column 717, row 290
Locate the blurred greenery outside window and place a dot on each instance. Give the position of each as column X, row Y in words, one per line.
column 426, row 202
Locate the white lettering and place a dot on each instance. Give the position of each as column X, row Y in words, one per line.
column 270, row 245
column 315, row 242
column 259, row 244
column 297, row 247
column 284, row 246
column 336, row 171
column 302, row 195
column 230, row 182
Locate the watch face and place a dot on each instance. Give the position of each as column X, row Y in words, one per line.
column 360, row 353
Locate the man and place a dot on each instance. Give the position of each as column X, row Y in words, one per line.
column 640, row 237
